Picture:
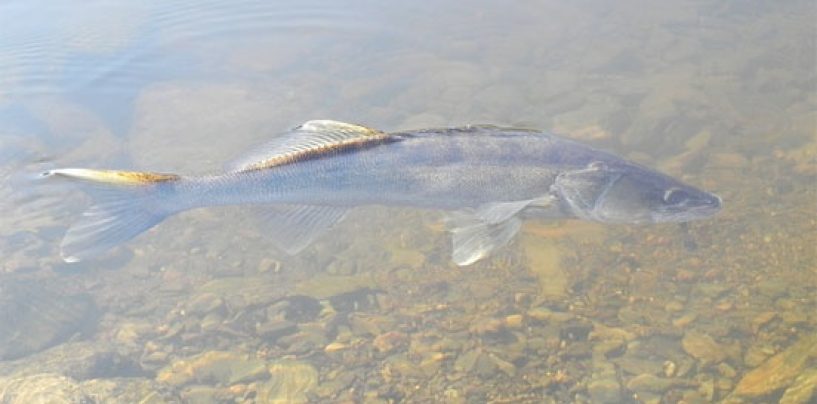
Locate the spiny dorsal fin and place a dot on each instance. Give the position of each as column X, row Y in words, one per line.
column 312, row 139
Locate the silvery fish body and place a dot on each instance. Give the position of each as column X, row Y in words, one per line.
column 486, row 178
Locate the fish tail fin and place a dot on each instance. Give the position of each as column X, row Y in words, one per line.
column 126, row 203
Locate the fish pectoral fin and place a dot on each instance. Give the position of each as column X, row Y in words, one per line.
column 489, row 213
column 477, row 232
column 497, row 212
column 309, row 140
column 474, row 242
column 293, row 227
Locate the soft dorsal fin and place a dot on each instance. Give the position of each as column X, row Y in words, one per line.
column 312, row 139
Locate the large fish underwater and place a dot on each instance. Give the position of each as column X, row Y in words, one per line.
column 487, row 178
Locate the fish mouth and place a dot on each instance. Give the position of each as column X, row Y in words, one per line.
column 711, row 205
column 707, row 208
column 717, row 202
column 704, row 208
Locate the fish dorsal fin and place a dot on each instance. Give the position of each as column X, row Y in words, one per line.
column 309, row 140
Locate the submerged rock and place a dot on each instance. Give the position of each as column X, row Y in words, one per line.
column 34, row 318
column 778, row 371
column 218, row 367
column 127, row 390
column 703, row 347
column 326, row 286
column 238, row 293
column 41, row 388
column 605, row 390
column 803, row 390
column 289, row 382
column 389, row 341
column 649, row 383
column 81, row 360
column 544, row 261
column 604, row 386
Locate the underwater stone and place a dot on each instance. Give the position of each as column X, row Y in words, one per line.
column 289, row 382
column 778, row 371
column 544, row 261
column 702, row 347
column 485, row 367
column 205, row 303
column 41, row 388
column 389, row 341
column 466, row 361
column 329, row 286
column 646, row 382
column 34, row 318
column 271, row 331
column 604, row 386
column 575, row 331
column 240, row 292
column 213, row 367
column 605, row 391
column 803, row 390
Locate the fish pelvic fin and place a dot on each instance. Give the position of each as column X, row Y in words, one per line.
column 125, row 204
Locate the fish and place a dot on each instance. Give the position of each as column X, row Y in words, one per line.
column 487, row 179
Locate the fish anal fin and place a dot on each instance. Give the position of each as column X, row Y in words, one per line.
column 293, row 227
column 497, row 212
column 310, row 140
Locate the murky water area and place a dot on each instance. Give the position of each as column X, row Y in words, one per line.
column 203, row 309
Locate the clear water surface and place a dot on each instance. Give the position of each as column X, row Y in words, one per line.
column 202, row 309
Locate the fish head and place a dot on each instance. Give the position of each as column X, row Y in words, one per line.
column 627, row 193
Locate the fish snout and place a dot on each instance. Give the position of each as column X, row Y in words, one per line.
column 715, row 202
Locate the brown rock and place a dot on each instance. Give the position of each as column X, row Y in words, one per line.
column 778, row 371
column 702, row 347
column 389, row 341
column 335, row 347
column 803, row 390
column 514, row 321
column 213, row 367
column 762, row 319
column 646, row 382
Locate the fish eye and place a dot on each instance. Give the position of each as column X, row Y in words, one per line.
column 674, row 196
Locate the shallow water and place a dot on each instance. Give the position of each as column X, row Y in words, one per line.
column 202, row 309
